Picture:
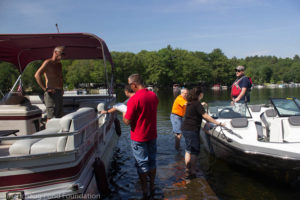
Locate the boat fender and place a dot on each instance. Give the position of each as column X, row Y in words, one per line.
column 100, row 175
column 118, row 127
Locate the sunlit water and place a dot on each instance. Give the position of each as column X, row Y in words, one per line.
column 225, row 181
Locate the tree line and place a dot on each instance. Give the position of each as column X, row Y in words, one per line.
column 163, row 68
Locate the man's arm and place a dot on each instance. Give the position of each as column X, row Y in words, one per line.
column 243, row 92
column 38, row 75
column 126, row 121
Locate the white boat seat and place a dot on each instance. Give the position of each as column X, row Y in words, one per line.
column 272, row 125
column 49, row 145
column 39, row 102
column 239, row 122
column 23, row 147
column 291, row 129
column 69, row 123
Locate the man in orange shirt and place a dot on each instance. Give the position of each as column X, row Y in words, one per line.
column 178, row 111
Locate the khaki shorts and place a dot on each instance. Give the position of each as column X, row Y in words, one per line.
column 54, row 103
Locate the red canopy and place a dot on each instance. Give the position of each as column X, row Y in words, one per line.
column 21, row 49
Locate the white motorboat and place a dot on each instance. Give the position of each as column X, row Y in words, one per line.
column 70, row 156
column 265, row 138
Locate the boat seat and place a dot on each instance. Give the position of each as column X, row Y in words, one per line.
column 39, row 102
column 255, row 108
column 271, row 113
column 259, row 130
column 23, row 147
column 68, row 123
column 239, row 122
column 294, row 120
column 291, row 129
column 273, row 125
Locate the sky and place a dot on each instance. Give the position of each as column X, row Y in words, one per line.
column 239, row 28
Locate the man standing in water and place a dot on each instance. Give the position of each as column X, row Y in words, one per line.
column 177, row 114
column 141, row 114
column 53, row 86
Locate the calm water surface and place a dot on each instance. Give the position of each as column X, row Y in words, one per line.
column 225, row 181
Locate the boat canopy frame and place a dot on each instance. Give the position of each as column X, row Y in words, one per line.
column 22, row 49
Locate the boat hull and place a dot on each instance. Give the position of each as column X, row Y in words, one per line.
column 278, row 167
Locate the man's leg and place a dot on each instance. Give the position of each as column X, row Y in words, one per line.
column 177, row 141
column 176, row 126
column 152, row 149
column 143, row 179
column 49, row 103
column 140, row 153
column 152, row 174
column 58, row 100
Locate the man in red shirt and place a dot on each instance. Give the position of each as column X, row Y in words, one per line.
column 141, row 114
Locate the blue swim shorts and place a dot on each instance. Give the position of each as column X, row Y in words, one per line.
column 176, row 123
column 145, row 155
column 192, row 142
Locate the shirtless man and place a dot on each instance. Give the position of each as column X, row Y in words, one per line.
column 53, row 86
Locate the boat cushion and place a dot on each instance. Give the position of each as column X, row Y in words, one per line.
column 239, row 122
column 255, row 108
column 69, row 123
column 271, row 113
column 22, row 147
column 49, row 145
column 294, row 120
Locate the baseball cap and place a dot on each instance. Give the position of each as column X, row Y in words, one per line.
column 240, row 68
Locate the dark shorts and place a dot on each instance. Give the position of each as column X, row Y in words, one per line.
column 54, row 104
column 145, row 155
column 192, row 141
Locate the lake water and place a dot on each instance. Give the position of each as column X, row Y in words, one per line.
column 218, row 180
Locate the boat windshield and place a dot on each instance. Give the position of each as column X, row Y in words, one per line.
column 286, row 107
column 229, row 112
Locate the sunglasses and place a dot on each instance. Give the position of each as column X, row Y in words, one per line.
column 238, row 70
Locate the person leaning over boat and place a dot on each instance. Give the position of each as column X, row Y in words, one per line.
column 53, row 86
column 128, row 93
column 141, row 114
column 191, row 129
column 178, row 111
column 240, row 90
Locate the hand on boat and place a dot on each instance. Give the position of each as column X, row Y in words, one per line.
column 221, row 124
column 204, row 104
column 103, row 112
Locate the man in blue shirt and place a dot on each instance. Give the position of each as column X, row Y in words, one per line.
column 240, row 90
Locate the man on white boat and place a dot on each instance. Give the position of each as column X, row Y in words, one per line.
column 51, row 69
column 240, row 90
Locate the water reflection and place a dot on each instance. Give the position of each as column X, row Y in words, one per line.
column 225, row 181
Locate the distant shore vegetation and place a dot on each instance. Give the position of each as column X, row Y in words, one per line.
column 163, row 68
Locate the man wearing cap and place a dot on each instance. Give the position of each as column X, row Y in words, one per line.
column 240, row 90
